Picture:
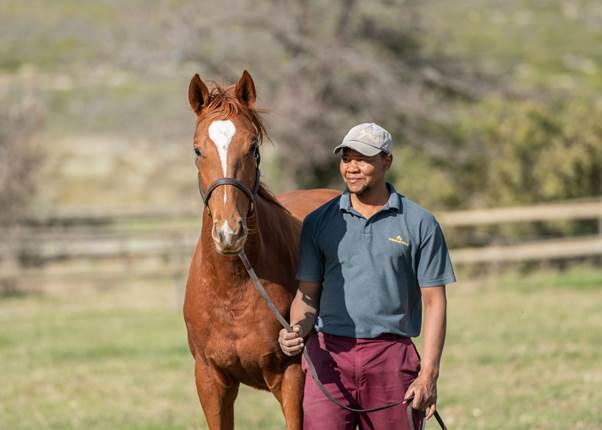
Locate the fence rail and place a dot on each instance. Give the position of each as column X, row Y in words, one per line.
column 537, row 250
column 167, row 238
column 570, row 210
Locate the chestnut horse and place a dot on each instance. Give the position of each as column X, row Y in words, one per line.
column 231, row 333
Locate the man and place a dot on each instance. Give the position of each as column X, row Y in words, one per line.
column 370, row 259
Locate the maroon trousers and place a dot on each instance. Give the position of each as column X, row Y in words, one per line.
column 361, row 373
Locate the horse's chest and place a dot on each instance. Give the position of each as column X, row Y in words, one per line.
column 236, row 333
column 241, row 359
column 232, row 337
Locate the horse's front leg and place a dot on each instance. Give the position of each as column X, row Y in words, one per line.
column 293, row 382
column 217, row 394
column 287, row 387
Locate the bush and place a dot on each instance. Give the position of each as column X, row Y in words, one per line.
column 522, row 152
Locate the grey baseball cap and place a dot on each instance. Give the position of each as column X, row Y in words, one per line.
column 368, row 139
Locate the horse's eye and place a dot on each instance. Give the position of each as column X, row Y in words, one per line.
column 255, row 147
column 197, row 151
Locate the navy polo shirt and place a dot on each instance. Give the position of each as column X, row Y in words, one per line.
column 372, row 270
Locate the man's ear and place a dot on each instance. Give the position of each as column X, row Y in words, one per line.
column 388, row 161
column 198, row 94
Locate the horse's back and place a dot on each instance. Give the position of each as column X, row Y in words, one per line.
column 302, row 202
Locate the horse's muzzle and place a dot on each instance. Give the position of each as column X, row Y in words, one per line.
column 228, row 239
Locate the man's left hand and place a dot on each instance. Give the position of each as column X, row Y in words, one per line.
column 423, row 392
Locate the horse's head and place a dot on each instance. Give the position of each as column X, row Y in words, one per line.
column 226, row 143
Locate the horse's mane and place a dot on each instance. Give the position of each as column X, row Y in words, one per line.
column 223, row 104
column 271, row 198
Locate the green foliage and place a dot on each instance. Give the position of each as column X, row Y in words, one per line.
column 504, row 152
column 530, row 151
column 416, row 176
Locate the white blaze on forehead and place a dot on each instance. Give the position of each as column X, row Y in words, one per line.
column 221, row 134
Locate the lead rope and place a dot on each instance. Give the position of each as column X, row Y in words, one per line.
column 310, row 364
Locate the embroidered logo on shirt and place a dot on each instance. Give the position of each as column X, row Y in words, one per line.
column 398, row 239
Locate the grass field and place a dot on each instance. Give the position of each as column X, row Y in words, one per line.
column 522, row 353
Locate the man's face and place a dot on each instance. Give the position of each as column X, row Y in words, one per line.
column 362, row 173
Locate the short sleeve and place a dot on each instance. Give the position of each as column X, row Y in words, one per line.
column 311, row 265
column 434, row 263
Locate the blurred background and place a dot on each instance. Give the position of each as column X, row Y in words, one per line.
column 495, row 107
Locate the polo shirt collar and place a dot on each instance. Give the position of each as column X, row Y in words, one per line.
column 394, row 201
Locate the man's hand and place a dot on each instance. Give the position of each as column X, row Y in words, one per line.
column 423, row 395
column 291, row 342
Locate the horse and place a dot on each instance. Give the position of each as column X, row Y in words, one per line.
column 231, row 333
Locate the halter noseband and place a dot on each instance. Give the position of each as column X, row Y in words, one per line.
column 251, row 194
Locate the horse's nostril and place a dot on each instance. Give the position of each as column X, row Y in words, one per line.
column 241, row 230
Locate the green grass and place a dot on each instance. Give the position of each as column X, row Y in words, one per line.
column 110, row 359
column 523, row 352
column 548, row 44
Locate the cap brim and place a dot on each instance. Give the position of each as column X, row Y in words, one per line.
column 362, row 148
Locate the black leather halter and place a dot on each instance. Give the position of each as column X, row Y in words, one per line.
column 251, row 194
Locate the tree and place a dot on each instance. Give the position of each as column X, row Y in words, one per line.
column 19, row 158
column 337, row 64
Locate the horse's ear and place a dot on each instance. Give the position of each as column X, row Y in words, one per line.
column 245, row 90
column 198, row 94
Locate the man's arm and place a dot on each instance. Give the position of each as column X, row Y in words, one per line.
column 303, row 315
column 424, row 388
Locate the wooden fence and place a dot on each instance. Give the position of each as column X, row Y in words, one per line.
column 561, row 248
column 101, row 246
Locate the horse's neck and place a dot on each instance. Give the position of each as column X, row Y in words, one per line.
column 276, row 230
